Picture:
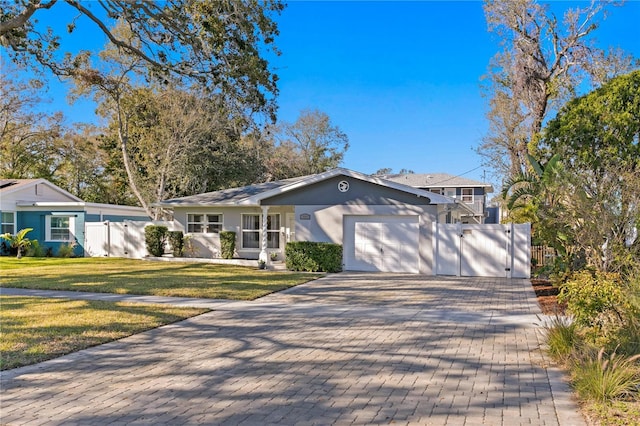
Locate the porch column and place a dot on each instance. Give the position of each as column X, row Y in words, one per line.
column 263, row 241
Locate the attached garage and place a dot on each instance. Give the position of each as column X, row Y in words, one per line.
column 382, row 243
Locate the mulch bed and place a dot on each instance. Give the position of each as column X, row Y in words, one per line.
column 547, row 296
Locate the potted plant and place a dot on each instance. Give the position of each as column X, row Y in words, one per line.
column 262, row 264
column 274, row 256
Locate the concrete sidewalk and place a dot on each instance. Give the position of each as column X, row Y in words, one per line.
column 345, row 349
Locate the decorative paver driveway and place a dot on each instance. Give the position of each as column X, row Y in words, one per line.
column 346, row 349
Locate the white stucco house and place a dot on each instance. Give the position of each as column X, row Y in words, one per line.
column 382, row 225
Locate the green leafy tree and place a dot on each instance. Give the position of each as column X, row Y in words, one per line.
column 218, row 43
column 29, row 141
column 598, row 138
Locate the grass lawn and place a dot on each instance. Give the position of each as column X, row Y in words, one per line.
column 131, row 276
column 36, row 329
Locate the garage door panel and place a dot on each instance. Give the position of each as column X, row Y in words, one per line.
column 382, row 243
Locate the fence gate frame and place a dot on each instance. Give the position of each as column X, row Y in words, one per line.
column 118, row 239
column 495, row 250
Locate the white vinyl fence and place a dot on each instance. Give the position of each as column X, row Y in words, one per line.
column 118, row 239
column 486, row 250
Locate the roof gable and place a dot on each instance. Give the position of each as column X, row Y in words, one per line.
column 34, row 190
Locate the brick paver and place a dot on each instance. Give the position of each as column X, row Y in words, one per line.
column 347, row 349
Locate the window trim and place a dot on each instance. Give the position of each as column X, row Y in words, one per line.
column 463, row 195
column 259, row 231
column 205, row 224
column 447, row 192
column 72, row 227
column 12, row 223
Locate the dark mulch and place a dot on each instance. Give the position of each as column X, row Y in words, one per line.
column 547, row 296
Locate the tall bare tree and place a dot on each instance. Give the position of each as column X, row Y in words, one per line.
column 542, row 63
column 312, row 144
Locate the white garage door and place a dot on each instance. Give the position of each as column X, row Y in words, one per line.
column 381, row 243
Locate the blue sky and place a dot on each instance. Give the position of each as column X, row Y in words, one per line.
column 401, row 79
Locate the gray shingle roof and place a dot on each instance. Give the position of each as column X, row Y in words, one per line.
column 228, row 196
column 253, row 194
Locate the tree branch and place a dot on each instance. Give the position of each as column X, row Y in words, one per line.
column 21, row 19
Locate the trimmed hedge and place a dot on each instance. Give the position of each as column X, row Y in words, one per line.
column 313, row 257
column 227, row 244
column 176, row 240
column 155, row 238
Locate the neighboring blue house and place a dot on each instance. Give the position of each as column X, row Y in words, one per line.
column 56, row 216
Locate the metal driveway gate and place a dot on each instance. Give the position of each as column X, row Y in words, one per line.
column 485, row 250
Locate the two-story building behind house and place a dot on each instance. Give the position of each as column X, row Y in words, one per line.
column 469, row 191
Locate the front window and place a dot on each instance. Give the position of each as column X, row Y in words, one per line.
column 60, row 228
column 204, row 223
column 467, row 195
column 251, row 231
column 8, row 223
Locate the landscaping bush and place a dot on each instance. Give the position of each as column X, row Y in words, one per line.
column 176, row 240
column 155, row 238
column 36, row 250
column 67, row 250
column 600, row 303
column 313, row 257
column 227, row 244
column 562, row 337
column 607, row 378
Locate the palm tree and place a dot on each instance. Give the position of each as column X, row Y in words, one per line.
column 18, row 241
column 530, row 186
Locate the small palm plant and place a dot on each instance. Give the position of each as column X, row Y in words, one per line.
column 18, row 241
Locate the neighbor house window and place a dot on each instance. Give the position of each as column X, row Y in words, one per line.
column 436, row 190
column 251, row 231
column 450, row 192
column 204, row 223
column 467, row 195
column 59, row 228
column 8, row 223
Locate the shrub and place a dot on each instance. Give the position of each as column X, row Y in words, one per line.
column 36, row 250
column 155, row 238
column 599, row 302
column 227, row 244
column 67, row 250
column 605, row 380
column 562, row 337
column 190, row 248
column 176, row 241
column 313, row 257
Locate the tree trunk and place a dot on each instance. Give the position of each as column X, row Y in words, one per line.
column 127, row 168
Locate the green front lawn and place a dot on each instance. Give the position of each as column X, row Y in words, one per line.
column 36, row 329
column 131, row 276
